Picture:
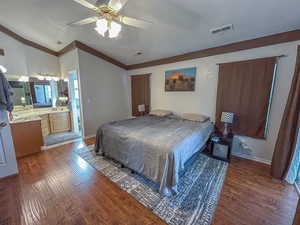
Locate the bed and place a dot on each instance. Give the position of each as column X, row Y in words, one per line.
column 154, row 146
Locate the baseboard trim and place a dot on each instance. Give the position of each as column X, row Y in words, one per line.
column 43, row 148
column 9, row 176
column 90, row 136
column 251, row 157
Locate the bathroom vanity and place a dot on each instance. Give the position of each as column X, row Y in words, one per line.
column 31, row 125
column 27, row 137
column 41, row 115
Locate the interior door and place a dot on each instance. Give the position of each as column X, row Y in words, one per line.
column 8, row 162
column 140, row 93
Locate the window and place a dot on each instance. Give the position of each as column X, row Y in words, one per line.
column 42, row 94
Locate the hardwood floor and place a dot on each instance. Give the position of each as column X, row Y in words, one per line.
column 250, row 197
column 58, row 187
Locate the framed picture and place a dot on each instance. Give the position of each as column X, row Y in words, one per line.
column 180, row 79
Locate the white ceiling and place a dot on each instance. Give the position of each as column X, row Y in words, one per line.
column 179, row 26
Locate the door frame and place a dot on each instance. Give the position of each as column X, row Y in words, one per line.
column 131, row 97
column 80, row 99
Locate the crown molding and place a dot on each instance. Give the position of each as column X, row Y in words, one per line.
column 79, row 45
column 69, row 47
column 26, row 41
column 99, row 54
column 279, row 38
column 234, row 47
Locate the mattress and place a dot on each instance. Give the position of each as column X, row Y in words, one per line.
column 156, row 147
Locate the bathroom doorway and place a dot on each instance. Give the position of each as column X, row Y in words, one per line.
column 69, row 94
column 75, row 102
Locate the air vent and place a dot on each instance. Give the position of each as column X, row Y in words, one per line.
column 221, row 29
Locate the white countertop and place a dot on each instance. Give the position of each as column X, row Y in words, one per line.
column 35, row 114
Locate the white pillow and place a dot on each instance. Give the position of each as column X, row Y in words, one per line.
column 194, row 117
column 160, row 112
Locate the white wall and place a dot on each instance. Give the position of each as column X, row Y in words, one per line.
column 14, row 59
column 25, row 60
column 41, row 62
column 104, row 92
column 68, row 62
column 203, row 99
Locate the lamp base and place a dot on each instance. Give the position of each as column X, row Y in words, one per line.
column 225, row 132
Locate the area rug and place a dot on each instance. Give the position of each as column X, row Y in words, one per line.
column 199, row 188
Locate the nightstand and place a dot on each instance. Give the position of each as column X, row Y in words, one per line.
column 220, row 146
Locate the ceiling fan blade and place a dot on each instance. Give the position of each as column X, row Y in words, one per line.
column 84, row 21
column 101, row 2
column 117, row 5
column 134, row 22
column 86, row 4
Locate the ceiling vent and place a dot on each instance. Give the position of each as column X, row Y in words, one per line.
column 221, row 29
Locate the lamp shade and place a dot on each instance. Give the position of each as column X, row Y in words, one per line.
column 227, row 117
column 141, row 108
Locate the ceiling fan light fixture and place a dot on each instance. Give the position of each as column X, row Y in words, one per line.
column 101, row 26
column 107, row 12
column 114, row 29
column 118, row 6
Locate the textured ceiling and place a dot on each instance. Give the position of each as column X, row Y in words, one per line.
column 178, row 26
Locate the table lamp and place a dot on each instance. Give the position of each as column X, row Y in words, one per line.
column 226, row 118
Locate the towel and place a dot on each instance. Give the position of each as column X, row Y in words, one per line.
column 6, row 93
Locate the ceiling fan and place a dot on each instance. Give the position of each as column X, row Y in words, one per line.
column 107, row 17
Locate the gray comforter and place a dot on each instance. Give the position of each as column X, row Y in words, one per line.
column 156, row 147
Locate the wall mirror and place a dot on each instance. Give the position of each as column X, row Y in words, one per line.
column 21, row 89
column 39, row 91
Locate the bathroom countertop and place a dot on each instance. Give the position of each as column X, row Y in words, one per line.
column 35, row 114
column 24, row 120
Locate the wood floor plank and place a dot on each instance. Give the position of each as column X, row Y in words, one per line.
column 58, row 187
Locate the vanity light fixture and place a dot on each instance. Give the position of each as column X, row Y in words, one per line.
column 48, row 78
column 44, row 77
column 23, row 79
column 40, row 77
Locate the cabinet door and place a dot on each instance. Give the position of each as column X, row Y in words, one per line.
column 45, row 125
column 60, row 122
column 27, row 137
